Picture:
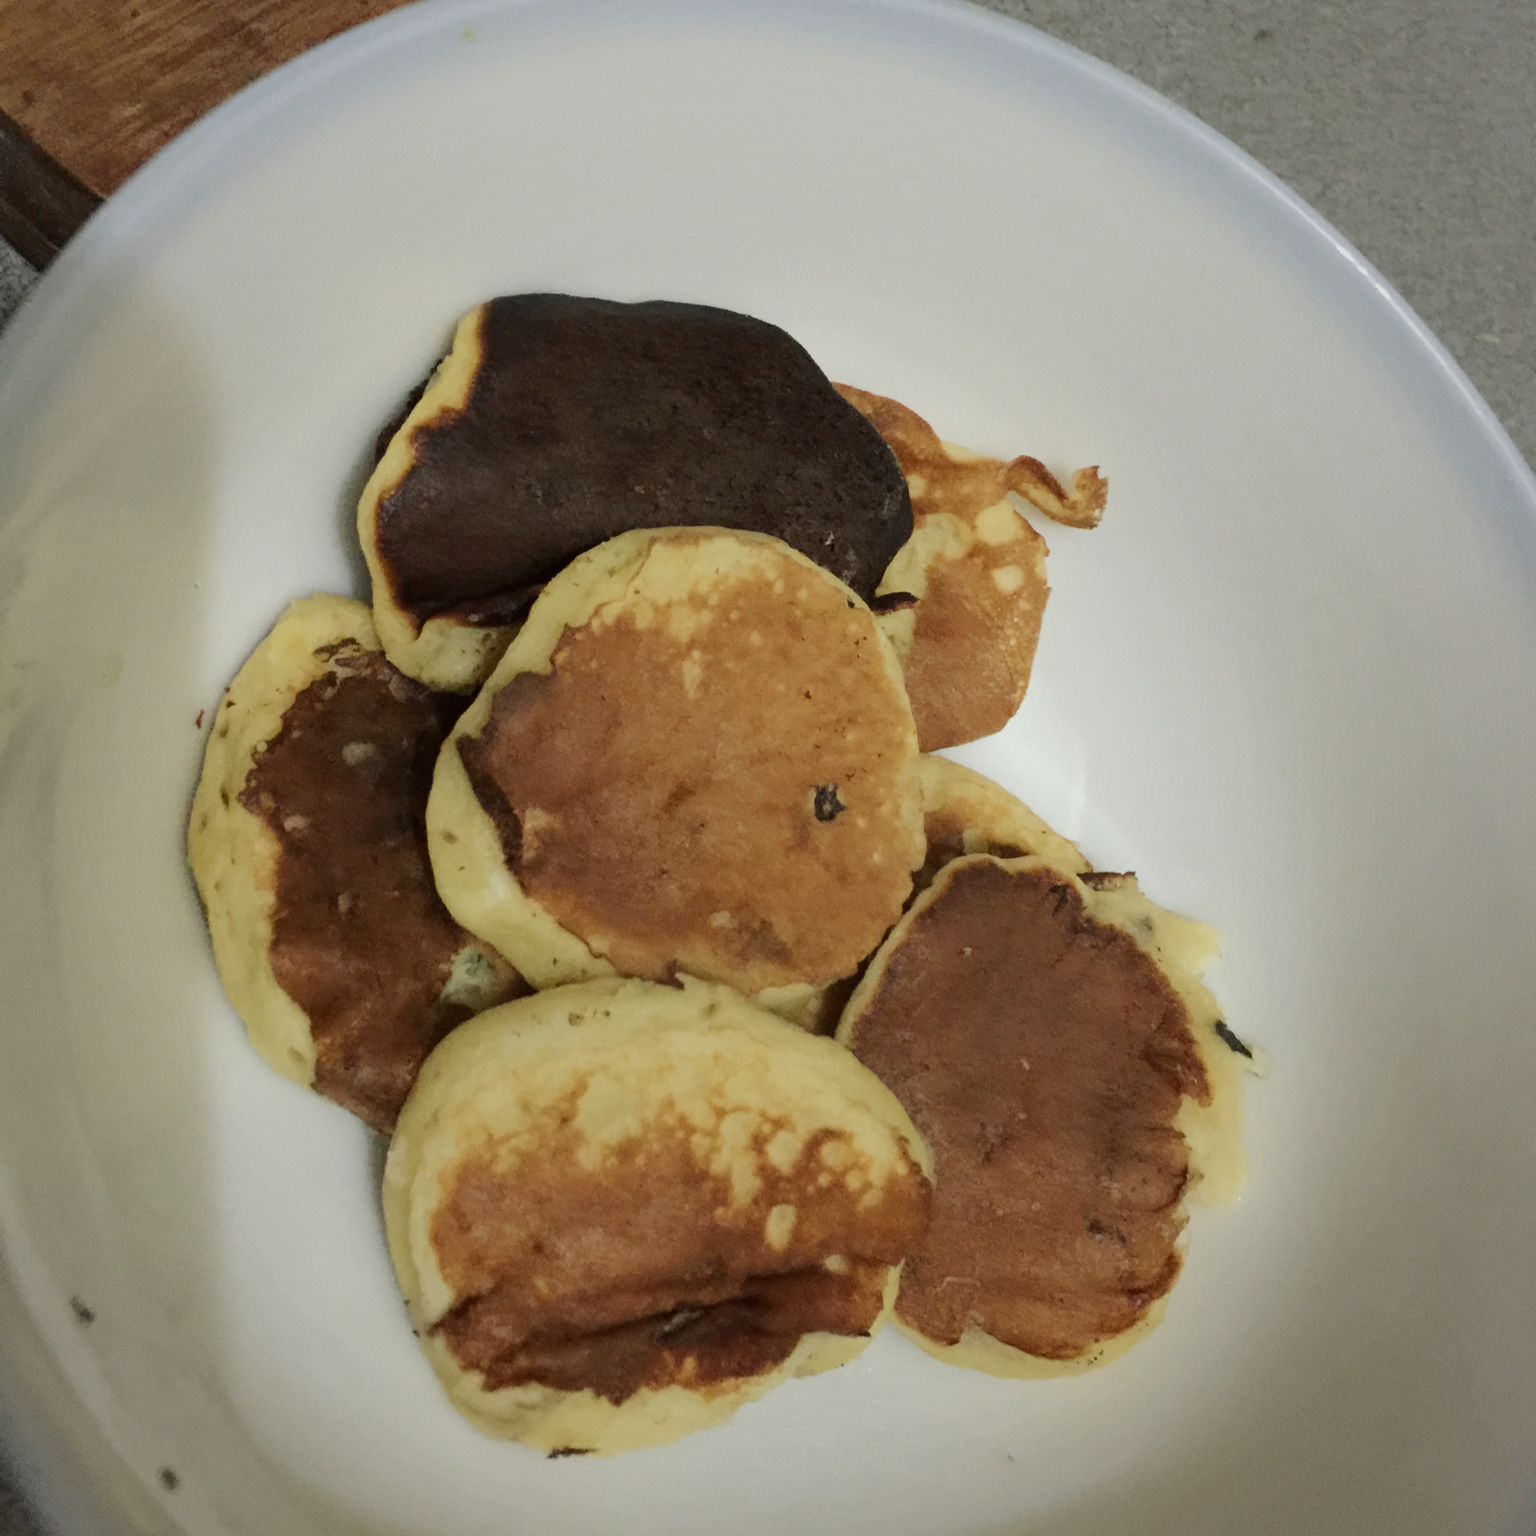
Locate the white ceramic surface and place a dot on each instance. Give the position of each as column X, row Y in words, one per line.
column 1290, row 680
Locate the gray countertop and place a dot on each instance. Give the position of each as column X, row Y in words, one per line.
column 1407, row 123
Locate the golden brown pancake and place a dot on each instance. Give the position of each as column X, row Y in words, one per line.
column 963, row 599
column 1050, row 1040
column 618, row 1211
column 696, row 757
column 557, row 422
column 308, row 844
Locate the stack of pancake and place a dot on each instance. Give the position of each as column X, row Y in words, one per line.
column 779, row 1027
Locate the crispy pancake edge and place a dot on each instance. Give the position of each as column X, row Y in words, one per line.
column 552, row 1023
column 976, row 568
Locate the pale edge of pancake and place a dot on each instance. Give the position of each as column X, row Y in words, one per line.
column 991, row 815
column 1182, row 949
column 467, row 860
column 556, row 1027
column 445, row 653
column 232, row 852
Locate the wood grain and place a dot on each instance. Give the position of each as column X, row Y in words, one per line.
column 41, row 204
column 90, row 89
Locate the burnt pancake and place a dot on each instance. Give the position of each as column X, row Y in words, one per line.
column 963, row 599
column 308, row 844
column 618, row 1211
column 557, row 422
column 1049, row 1037
column 697, row 756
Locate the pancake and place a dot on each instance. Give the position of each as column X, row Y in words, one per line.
column 963, row 599
column 618, row 1211
column 696, row 757
column 308, row 844
column 1049, row 1036
column 558, row 422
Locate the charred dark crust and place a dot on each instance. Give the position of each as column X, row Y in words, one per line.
column 586, row 418
column 1231, row 1041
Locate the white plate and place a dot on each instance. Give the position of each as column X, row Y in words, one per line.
column 1292, row 681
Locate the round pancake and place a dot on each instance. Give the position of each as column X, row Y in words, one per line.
column 963, row 598
column 1051, row 1041
column 308, row 844
column 696, row 757
column 557, row 422
column 618, row 1211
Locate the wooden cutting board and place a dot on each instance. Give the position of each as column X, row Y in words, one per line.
column 90, row 89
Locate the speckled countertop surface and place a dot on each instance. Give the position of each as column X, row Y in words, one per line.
column 1407, row 123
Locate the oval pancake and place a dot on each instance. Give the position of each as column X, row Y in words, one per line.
column 618, row 1211
column 557, row 422
column 308, row 843
column 963, row 599
column 696, row 757
column 1050, row 1038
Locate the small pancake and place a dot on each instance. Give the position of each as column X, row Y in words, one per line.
column 618, row 1211
column 558, row 422
column 963, row 599
column 696, row 757
column 1051, row 1041
column 308, row 844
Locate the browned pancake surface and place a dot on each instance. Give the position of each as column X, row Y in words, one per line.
column 1044, row 1057
column 360, row 940
column 626, row 1276
column 586, row 418
column 721, row 788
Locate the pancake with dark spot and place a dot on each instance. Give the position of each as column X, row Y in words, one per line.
column 308, row 843
column 697, row 756
column 558, row 422
column 1063, row 1063
column 618, row 1211
column 963, row 600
